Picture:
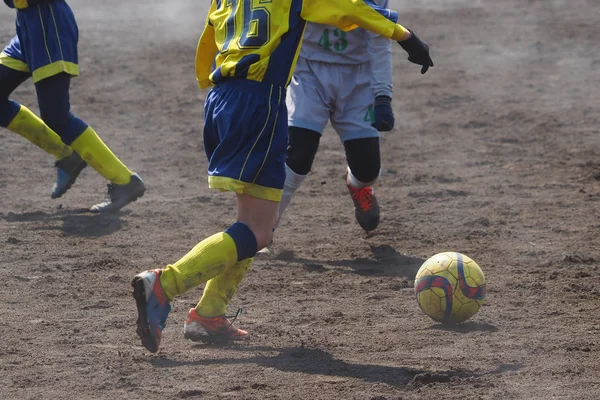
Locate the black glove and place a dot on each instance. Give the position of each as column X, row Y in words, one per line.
column 383, row 114
column 418, row 51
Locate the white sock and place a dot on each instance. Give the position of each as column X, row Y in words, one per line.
column 292, row 183
column 355, row 183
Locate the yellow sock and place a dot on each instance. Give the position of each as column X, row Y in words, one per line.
column 208, row 259
column 220, row 289
column 32, row 128
column 93, row 150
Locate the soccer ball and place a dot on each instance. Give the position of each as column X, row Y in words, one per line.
column 450, row 287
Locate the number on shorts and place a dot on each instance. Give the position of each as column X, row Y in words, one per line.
column 370, row 114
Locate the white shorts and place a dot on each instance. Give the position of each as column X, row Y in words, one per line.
column 320, row 92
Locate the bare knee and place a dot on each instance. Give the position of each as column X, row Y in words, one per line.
column 260, row 216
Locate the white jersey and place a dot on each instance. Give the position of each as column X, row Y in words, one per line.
column 328, row 44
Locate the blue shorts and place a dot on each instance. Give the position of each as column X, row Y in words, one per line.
column 245, row 138
column 46, row 41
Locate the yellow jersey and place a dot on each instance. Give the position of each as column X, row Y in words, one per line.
column 260, row 40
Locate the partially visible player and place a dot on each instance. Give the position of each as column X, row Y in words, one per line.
column 45, row 48
column 248, row 52
column 345, row 78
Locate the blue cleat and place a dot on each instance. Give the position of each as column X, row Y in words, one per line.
column 152, row 306
column 68, row 169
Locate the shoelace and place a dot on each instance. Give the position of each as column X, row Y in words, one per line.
column 237, row 314
column 109, row 194
column 364, row 196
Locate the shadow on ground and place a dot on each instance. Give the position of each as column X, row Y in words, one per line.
column 77, row 222
column 386, row 261
column 320, row 362
column 466, row 327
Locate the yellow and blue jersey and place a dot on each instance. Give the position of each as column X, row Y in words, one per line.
column 46, row 40
column 259, row 40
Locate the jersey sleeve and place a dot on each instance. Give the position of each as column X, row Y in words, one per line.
column 206, row 52
column 380, row 57
column 351, row 14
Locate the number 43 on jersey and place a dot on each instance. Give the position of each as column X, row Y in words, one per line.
column 333, row 39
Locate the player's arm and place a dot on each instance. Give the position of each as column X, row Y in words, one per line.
column 349, row 14
column 206, row 51
column 380, row 57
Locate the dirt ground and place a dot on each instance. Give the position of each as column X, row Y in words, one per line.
column 496, row 154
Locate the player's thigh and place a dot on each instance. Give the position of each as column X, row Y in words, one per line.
column 352, row 115
column 10, row 79
column 245, row 135
column 48, row 36
column 13, row 61
column 307, row 99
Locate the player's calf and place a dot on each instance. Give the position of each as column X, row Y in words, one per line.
column 366, row 207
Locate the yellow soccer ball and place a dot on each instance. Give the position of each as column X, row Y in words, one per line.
column 450, row 287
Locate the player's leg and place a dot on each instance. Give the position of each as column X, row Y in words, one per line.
column 224, row 255
column 364, row 165
column 352, row 119
column 49, row 35
column 55, row 110
column 33, row 51
column 302, row 148
column 217, row 293
column 207, row 321
column 245, row 138
column 19, row 119
column 55, row 117
column 212, row 256
column 309, row 96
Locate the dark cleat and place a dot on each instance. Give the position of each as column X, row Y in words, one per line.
column 121, row 195
column 366, row 208
column 67, row 169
